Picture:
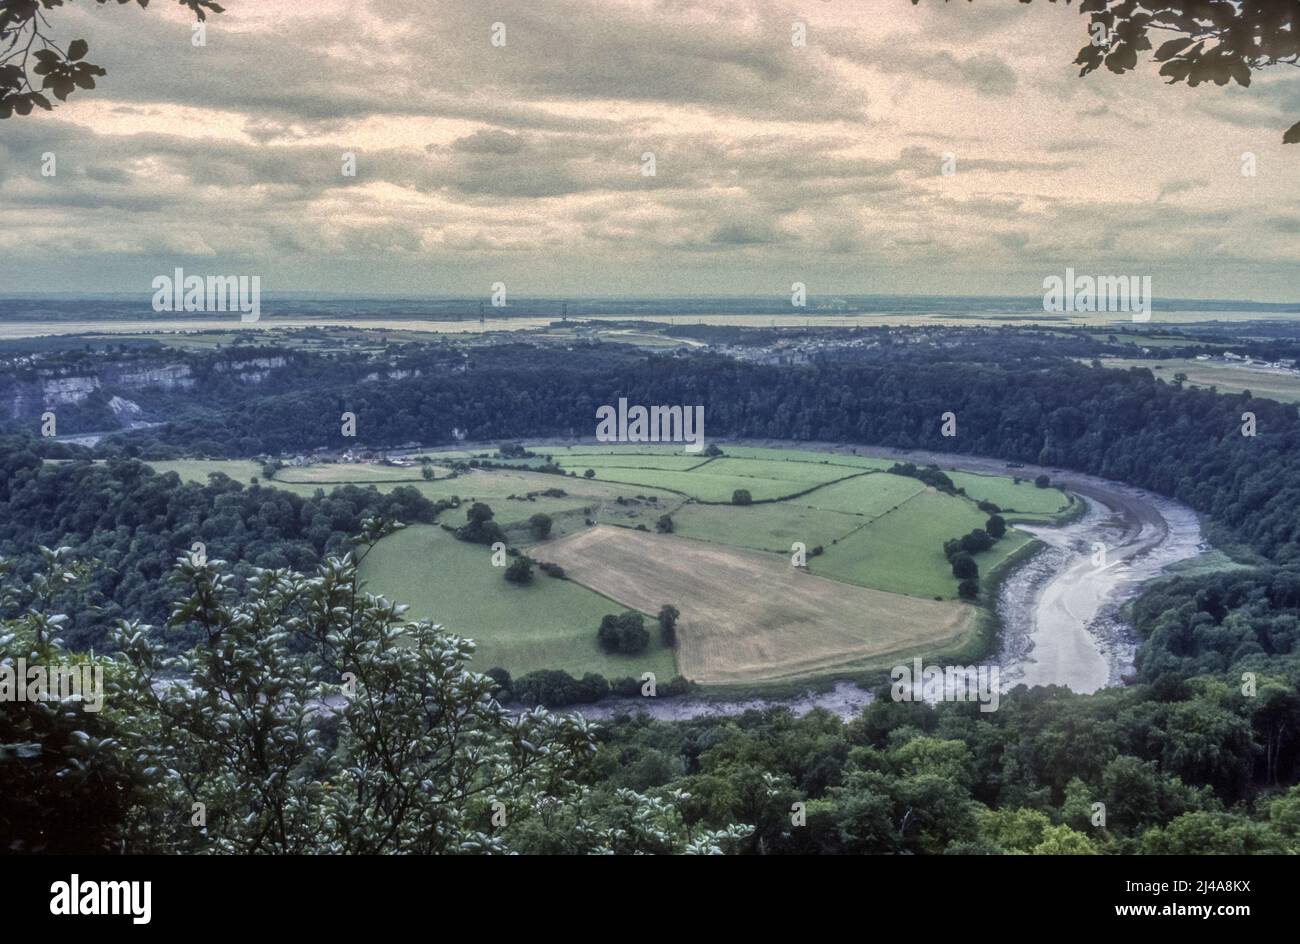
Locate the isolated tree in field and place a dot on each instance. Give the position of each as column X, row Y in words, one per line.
column 520, row 570
column 1203, row 40
column 31, row 64
column 668, row 616
column 665, row 524
column 741, row 496
column 479, row 528
column 539, row 525
column 1042, row 481
column 624, row 633
column 996, row 526
column 426, row 472
column 589, row 474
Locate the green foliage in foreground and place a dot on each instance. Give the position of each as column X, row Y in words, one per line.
column 1177, row 768
column 311, row 719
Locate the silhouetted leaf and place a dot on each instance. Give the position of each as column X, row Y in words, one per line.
column 1121, row 59
column 1173, row 48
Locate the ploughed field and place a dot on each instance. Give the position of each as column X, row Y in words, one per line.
column 876, row 587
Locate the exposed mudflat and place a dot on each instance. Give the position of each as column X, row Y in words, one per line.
column 1059, row 610
column 1070, row 632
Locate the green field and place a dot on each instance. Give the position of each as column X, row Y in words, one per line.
column 715, row 481
column 803, row 474
column 902, row 551
column 198, row 470
column 773, row 527
column 546, row 624
column 1275, row 385
column 355, row 473
column 804, row 455
column 504, row 490
column 560, row 453
column 699, row 485
column 1024, row 498
column 881, row 531
column 867, row 495
column 637, row 461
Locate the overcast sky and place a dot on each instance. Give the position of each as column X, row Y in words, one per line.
column 523, row 163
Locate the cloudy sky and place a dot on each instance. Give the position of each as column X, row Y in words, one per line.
column 524, row 163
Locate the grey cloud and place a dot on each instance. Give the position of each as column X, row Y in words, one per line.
column 1174, row 187
column 489, row 141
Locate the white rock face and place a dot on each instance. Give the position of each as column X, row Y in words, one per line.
column 69, row 389
column 168, row 377
column 266, row 363
column 395, row 374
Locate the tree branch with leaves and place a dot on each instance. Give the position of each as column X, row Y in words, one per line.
column 31, row 63
column 1217, row 41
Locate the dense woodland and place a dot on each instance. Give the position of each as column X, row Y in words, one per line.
column 1182, row 766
